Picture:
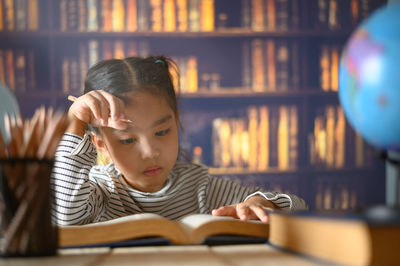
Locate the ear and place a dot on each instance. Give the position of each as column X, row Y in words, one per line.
column 100, row 145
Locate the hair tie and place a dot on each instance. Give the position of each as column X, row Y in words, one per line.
column 159, row 61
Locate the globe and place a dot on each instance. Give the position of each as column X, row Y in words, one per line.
column 369, row 79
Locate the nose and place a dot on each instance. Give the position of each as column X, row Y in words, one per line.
column 149, row 150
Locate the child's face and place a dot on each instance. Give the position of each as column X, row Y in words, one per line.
column 147, row 150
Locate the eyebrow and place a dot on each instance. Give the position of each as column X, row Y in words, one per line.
column 155, row 124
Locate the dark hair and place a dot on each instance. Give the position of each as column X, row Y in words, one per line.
column 135, row 74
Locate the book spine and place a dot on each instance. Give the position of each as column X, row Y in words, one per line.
column 1, row 16
column 194, row 15
column 93, row 16
column 334, row 69
column 258, row 65
column 207, row 15
column 192, row 74
column 21, row 14
column 246, row 69
column 182, row 10
column 63, row 15
column 156, row 15
column 283, row 138
column 282, row 66
column 270, row 12
column 263, row 138
column 169, row 15
column 253, row 136
column 106, row 15
column 282, row 15
column 325, row 68
column 143, row 15
column 31, row 82
column 10, row 15
column 33, row 15
column 118, row 16
column 293, row 137
column 271, row 71
column 20, row 71
column 82, row 17
column 119, row 50
column 72, row 15
column 246, row 22
column 258, row 15
column 131, row 16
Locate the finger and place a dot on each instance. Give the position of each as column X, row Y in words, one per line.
column 243, row 211
column 260, row 213
column 104, row 107
column 115, row 105
column 225, row 211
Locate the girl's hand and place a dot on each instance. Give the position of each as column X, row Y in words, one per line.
column 253, row 208
column 99, row 108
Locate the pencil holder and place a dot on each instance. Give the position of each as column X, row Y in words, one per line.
column 25, row 207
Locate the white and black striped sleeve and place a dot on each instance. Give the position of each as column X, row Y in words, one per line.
column 76, row 199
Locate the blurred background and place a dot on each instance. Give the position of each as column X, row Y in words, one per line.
column 258, row 81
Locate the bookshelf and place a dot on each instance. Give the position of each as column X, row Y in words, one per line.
column 278, row 59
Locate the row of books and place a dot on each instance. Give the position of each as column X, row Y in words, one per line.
column 337, row 14
column 17, row 70
column 329, row 60
column 270, row 15
column 336, row 195
column 74, row 65
column 19, row 15
column 329, row 194
column 137, row 15
column 333, row 144
column 271, row 65
column 266, row 138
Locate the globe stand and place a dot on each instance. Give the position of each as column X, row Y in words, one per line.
column 390, row 212
column 393, row 179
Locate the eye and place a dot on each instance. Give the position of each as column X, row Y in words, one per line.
column 127, row 141
column 162, row 132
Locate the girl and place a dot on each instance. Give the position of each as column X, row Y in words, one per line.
column 129, row 109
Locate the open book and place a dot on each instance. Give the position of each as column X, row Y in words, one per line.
column 192, row 229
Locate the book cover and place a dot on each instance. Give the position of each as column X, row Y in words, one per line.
column 364, row 238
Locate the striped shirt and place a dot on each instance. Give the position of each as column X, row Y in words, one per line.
column 86, row 192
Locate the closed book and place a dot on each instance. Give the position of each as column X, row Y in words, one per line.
column 20, row 71
column 365, row 238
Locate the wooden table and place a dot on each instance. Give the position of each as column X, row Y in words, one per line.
column 251, row 255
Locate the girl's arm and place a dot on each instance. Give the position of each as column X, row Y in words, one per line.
column 230, row 199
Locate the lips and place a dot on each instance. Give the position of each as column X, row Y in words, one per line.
column 155, row 170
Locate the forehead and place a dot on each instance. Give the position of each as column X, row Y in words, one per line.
column 147, row 111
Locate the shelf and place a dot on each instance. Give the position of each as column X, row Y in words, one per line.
column 234, row 92
column 228, row 33
column 297, row 171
